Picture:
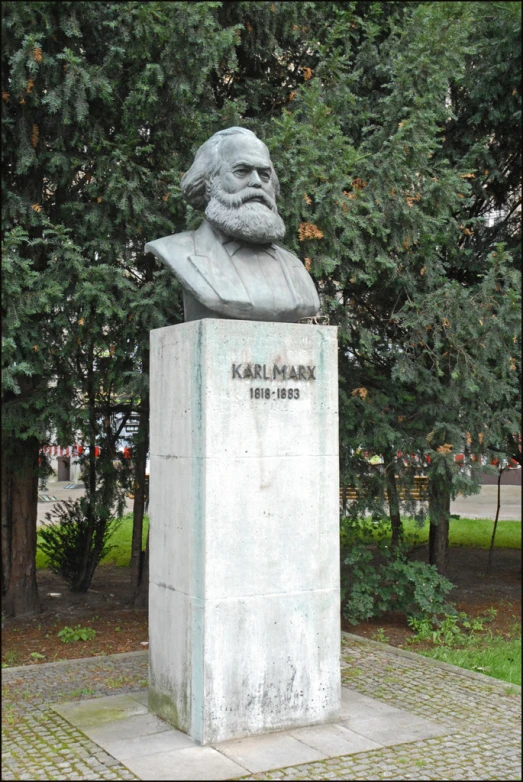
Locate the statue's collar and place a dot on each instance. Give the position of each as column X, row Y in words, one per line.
column 233, row 245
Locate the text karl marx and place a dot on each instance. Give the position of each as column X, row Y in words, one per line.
column 274, row 372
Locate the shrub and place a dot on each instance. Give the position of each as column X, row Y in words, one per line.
column 64, row 539
column 377, row 578
column 72, row 634
column 451, row 629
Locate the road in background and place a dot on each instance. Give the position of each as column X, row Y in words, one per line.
column 57, row 489
column 477, row 506
column 483, row 505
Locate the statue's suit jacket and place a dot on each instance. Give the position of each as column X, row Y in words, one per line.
column 205, row 270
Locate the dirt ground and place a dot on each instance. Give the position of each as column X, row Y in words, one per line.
column 119, row 628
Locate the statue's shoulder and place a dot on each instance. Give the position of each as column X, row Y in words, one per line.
column 287, row 256
column 178, row 247
column 169, row 248
column 301, row 280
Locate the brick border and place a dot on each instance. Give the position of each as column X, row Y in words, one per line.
column 482, row 677
column 95, row 658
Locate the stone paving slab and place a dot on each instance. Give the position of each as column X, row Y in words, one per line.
column 149, row 744
column 388, row 729
column 114, row 725
column 482, row 718
column 93, row 714
column 271, row 751
column 334, row 740
column 204, row 763
column 125, row 730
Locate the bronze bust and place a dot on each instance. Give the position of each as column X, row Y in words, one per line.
column 231, row 266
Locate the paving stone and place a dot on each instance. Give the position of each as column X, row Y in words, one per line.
column 483, row 719
column 158, row 742
column 354, row 704
column 262, row 753
column 192, row 763
column 142, row 696
column 393, row 728
column 334, row 740
column 93, row 713
column 141, row 725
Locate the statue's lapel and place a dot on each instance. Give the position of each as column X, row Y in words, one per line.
column 214, row 264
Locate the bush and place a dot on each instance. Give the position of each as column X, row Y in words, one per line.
column 72, row 634
column 63, row 538
column 450, row 629
column 377, row 578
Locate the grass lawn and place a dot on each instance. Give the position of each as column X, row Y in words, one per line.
column 463, row 532
column 494, row 656
column 472, row 532
column 120, row 555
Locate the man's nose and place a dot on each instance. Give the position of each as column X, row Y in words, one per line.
column 254, row 180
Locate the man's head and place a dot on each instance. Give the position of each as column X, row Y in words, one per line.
column 232, row 177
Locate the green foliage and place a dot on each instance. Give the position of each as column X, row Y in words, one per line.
column 376, row 578
column 119, row 544
column 381, row 636
column 463, row 532
column 11, row 658
column 73, row 634
column 483, row 130
column 394, row 221
column 66, row 540
column 449, row 630
column 465, row 641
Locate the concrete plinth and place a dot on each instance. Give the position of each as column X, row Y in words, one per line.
column 244, row 602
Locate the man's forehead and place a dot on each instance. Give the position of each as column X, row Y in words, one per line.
column 242, row 149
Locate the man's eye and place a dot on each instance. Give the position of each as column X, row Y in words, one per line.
column 241, row 172
column 265, row 176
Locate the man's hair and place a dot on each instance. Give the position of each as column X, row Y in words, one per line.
column 195, row 182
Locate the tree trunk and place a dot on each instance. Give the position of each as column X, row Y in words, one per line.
column 439, row 515
column 394, row 502
column 141, row 596
column 141, row 449
column 491, row 549
column 85, row 574
column 7, row 511
column 19, row 515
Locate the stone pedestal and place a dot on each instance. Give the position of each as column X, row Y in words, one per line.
column 244, row 605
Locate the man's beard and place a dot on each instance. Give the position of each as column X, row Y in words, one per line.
column 244, row 219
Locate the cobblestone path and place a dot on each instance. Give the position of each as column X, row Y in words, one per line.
column 39, row 744
column 484, row 716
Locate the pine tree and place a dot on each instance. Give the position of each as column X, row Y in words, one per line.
column 377, row 208
column 381, row 133
column 100, row 105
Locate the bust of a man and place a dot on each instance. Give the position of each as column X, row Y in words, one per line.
column 232, row 266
